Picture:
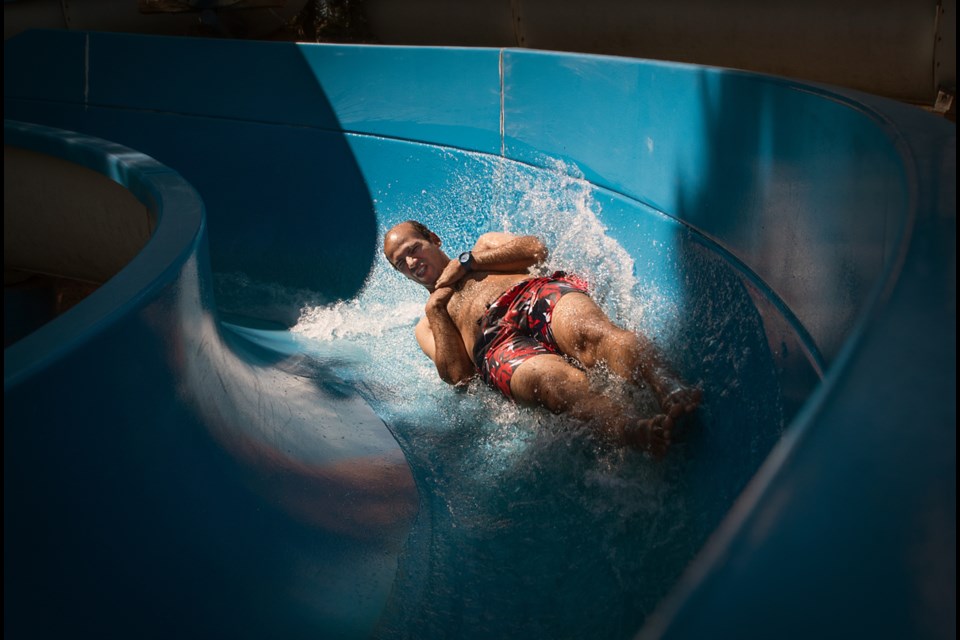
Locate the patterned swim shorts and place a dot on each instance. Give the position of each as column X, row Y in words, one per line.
column 517, row 327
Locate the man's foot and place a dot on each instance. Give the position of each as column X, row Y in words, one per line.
column 650, row 434
column 680, row 400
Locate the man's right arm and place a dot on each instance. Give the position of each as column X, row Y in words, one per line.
column 440, row 339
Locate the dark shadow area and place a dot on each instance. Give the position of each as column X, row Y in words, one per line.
column 174, row 488
column 332, row 21
column 31, row 303
column 252, row 161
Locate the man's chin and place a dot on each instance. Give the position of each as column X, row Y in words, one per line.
column 430, row 283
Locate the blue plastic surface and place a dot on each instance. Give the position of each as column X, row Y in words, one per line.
column 798, row 247
column 162, row 495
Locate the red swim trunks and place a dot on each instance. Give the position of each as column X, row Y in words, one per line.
column 516, row 327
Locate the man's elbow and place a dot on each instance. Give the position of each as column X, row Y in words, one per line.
column 538, row 250
column 457, row 377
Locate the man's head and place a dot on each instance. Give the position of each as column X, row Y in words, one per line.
column 414, row 251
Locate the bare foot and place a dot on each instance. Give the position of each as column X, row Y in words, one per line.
column 680, row 401
column 650, row 434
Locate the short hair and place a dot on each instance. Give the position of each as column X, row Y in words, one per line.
column 422, row 230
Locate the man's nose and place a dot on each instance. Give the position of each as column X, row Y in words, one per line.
column 410, row 261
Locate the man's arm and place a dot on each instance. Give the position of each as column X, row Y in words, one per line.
column 497, row 251
column 440, row 339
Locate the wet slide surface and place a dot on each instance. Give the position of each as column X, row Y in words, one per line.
column 245, row 439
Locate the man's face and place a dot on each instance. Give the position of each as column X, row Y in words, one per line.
column 419, row 259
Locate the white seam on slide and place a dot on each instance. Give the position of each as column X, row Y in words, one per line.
column 502, row 138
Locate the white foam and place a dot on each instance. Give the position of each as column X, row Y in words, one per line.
column 356, row 319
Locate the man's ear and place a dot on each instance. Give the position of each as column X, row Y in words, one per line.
column 435, row 239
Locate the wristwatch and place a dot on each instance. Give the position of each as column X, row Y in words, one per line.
column 466, row 259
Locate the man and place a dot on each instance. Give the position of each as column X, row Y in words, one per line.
column 487, row 313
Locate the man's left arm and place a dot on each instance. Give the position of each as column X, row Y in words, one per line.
column 505, row 252
column 500, row 252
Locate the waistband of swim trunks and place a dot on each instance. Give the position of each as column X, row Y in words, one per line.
column 497, row 308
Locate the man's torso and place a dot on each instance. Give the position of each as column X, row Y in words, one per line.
column 476, row 293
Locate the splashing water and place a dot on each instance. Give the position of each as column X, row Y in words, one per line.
column 529, row 527
column 397, row 377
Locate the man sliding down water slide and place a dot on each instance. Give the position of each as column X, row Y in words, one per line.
column 487, row 313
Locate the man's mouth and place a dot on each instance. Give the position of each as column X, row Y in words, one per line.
column 422, row 269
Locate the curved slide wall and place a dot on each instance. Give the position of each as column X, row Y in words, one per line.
column 835, row 212
column 149, row 488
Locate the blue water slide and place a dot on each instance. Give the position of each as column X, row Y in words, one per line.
column 192, row 450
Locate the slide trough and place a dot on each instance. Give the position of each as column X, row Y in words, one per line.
column 234, row 434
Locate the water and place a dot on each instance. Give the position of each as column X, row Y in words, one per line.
column 529, row 526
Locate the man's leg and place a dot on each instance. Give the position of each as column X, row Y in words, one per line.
column 554, row 383
column 583, row 331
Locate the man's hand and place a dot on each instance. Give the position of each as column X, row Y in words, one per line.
column 438, row 300
column 452, row 274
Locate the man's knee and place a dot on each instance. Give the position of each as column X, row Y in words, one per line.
column 560, row 388
column 603, row 341
column 552, row 383
column 619, row 340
